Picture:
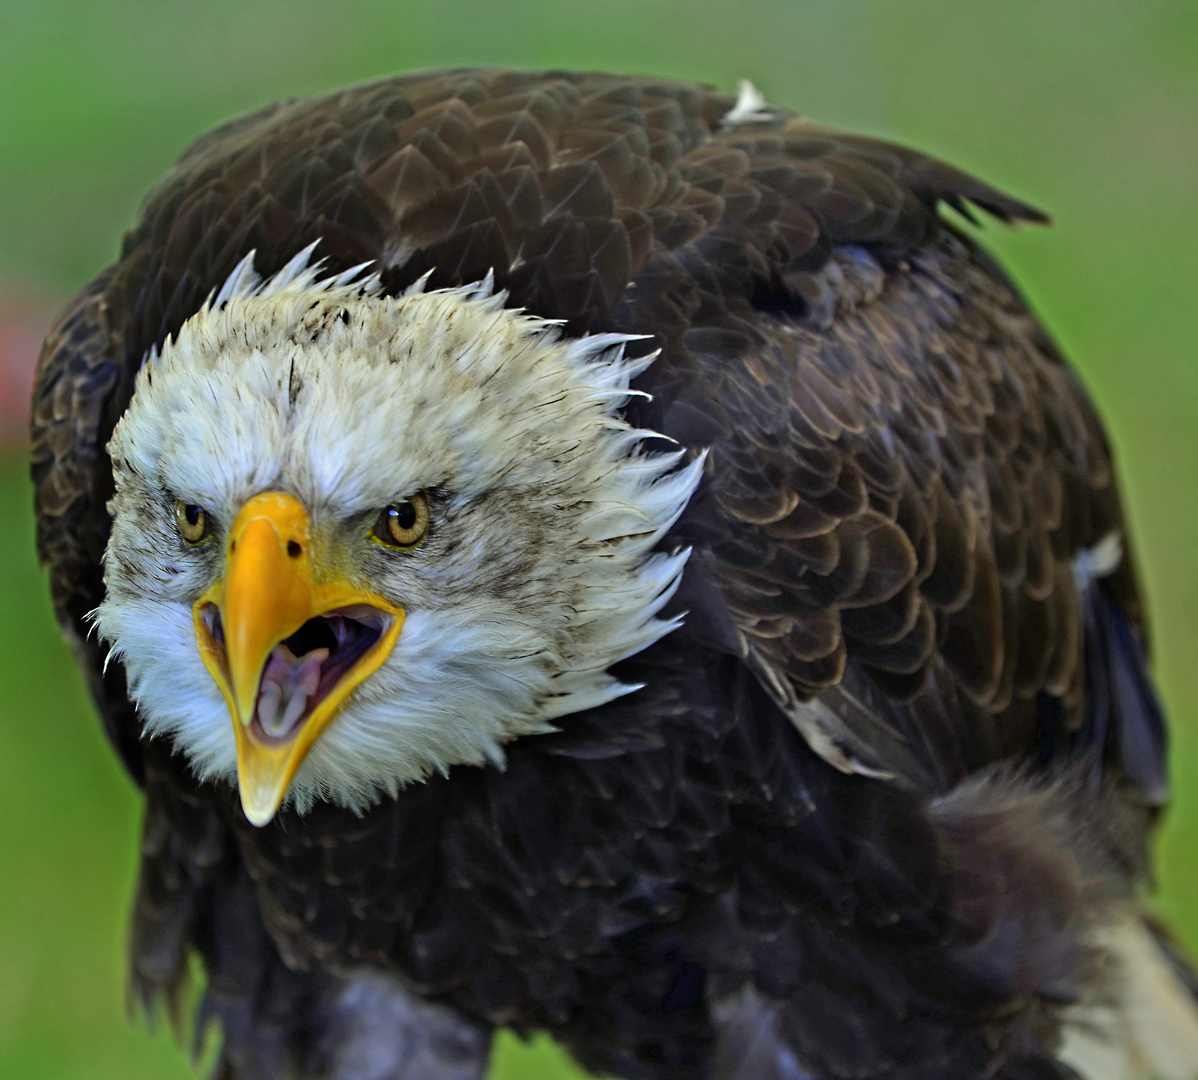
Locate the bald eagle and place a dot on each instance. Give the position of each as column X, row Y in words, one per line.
column 596, row 555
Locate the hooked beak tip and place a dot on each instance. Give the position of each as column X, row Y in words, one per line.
column 258, row 816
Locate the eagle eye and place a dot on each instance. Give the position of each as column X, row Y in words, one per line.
column 192, row 521
column 404, row 523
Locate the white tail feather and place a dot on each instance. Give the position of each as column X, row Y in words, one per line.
column 1149, row 1031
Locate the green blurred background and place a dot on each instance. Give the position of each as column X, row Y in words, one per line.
column 1086, row 108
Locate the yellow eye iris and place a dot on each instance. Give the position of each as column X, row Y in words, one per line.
column 403, row 524
column 191, row 520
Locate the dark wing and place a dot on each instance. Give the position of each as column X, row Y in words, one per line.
column 902, row 470
column 913, row 519
column 77, row 376
column 912, row 514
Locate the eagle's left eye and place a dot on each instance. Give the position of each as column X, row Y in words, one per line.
column 191, row 520
column 403, row 524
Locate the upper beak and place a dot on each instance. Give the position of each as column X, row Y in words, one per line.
column 269, row 590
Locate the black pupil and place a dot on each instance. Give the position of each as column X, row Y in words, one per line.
column 192, row 513
column 403, row 515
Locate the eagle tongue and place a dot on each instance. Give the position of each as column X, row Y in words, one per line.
column 287, row 684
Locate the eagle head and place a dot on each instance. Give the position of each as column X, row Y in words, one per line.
column 381, row 535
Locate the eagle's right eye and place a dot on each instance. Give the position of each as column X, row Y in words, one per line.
column 191, row 520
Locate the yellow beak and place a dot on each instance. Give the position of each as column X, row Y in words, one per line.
column 269, row 590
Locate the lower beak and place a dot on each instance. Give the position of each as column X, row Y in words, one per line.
column 285, row 645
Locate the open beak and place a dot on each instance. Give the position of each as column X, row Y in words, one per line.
column 286, row 643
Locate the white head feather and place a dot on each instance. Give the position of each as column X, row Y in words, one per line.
column 538, row 572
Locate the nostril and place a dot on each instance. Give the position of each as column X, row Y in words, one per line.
column 293, row 549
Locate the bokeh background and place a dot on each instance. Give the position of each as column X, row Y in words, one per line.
column 1088, row 108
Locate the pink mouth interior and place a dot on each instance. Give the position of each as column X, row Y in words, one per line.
column 302, row 669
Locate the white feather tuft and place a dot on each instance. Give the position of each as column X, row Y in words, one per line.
column 299, row 275
column 298, row 272
column 750, row 108
column 1101, row 560
column 244, row 281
